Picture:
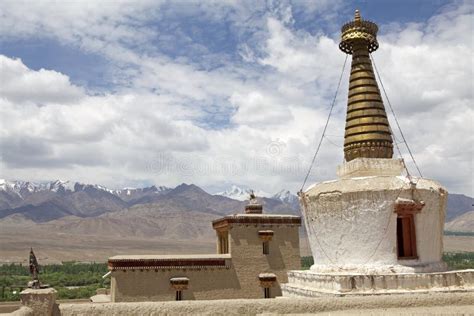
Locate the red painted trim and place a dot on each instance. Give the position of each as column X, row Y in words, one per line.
column 164, row 263
column 225, row 221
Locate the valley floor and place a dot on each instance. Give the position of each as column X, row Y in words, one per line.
column 458, row 243
column 51, row 247
column 57, row 247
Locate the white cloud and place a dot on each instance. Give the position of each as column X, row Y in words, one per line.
column 20, row 84
column 84, row 130
column 255, row 109
column 155, row 127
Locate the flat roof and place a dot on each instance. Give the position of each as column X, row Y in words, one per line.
column 156, row 262
column 168, row 257
column 269, row 219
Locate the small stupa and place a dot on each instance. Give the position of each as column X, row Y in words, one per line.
column 373, row 230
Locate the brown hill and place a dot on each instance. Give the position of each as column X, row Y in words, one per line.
column 458, row 204
column 140, row 221
column 463, row 223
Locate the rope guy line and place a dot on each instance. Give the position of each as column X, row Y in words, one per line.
column 395, row 117
column 325, row 126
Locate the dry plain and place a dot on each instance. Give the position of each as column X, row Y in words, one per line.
column 54, row 247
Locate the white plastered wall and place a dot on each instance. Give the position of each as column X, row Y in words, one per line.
column 351, row 224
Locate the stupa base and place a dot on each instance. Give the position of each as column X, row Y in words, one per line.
column 409, row 267
column 306, row 283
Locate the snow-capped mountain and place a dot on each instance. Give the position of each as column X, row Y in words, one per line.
column 286, row 196
column 26, row 188
column 22, row 188
column 59, row 185
column 48, row 201
column 131, row 191
column 129, row 194
column 241, row 193
column 82, row 187
column 72, row 197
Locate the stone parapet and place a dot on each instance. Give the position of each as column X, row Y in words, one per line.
column 256, row 219
column 410, row 266
column 157, row 262
column 363, row 167
column 311, row 284
column 40, row 301
column 403, row 304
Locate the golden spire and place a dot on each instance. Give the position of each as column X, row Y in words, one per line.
column 357, row 16
column 367, row 129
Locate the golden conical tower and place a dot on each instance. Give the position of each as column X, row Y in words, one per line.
column 367, row 129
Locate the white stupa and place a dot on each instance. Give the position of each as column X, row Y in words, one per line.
column 373, row 230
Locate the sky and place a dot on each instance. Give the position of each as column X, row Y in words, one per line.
column 215, row 93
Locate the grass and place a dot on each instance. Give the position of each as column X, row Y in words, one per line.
column 85, row 278
column 307, row 262
column 459, row 260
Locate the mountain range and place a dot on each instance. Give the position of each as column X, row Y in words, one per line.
column 90, row 222
column 44, row 202
column 94, row 204
column 74, row 221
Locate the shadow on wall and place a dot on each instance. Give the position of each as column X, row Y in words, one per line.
column 274, row 257
column 228, row 280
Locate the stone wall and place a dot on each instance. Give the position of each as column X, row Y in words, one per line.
column 238, row 279
column 277, row 306
column 39, row 301
column 249, row 260
column 148, row 285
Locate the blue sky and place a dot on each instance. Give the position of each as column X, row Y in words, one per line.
column 101, row 93
column 188, row 34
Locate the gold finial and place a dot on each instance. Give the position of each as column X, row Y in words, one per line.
column 358, row 31
column 367, row 132
column 357, row 16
